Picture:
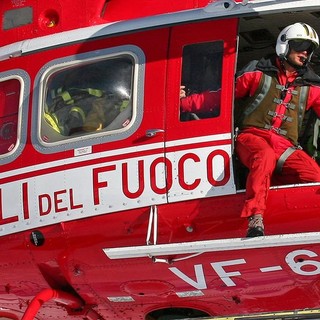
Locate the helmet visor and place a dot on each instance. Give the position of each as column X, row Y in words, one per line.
column 301, row 45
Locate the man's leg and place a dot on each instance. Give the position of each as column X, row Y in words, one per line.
column 257, row 155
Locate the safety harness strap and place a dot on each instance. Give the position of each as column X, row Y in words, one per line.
column 285, row 155
column 304, row 91
column 264, row 90
column 316, row 132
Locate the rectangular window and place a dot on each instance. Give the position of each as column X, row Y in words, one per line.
column 9, row 106
column 201, row 81
column 86, row 98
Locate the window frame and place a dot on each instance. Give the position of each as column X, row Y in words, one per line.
column 211, row 48
column 97, row 137
column 22, row 114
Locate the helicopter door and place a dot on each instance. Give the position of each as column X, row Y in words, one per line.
column 199, row 128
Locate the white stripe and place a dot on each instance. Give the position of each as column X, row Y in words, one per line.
column 214, row 245
column 182, row 142
column 269, row 269
column 187, row 294
column 123, row 151
column 121, row 299
column 212, row 10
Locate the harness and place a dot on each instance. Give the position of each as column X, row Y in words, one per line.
column 263, row 90
column 312, row 147
column 311, row 140
column 315, row 140
column 301, row 95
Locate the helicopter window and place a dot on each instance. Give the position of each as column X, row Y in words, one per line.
column 201, row 81
column 87, row 98
column 9, row 106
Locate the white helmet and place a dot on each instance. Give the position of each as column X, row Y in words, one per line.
column 298, row 31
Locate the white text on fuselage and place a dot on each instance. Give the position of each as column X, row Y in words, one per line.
column 115, row 186
column 231, row 271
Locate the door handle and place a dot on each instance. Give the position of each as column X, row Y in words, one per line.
column 153, row 132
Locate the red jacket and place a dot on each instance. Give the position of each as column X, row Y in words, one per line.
column 207, row 101
column 247, row 84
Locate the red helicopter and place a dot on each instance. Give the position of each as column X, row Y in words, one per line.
column 134, row 213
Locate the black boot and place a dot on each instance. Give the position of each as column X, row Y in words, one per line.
column 255, row 227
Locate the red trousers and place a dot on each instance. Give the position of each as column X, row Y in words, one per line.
column 259, row 151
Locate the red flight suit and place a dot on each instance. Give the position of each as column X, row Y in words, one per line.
column 259, row 149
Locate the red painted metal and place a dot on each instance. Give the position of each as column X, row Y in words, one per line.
column 71, row 258
column 66, row 299
column 55, row 16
